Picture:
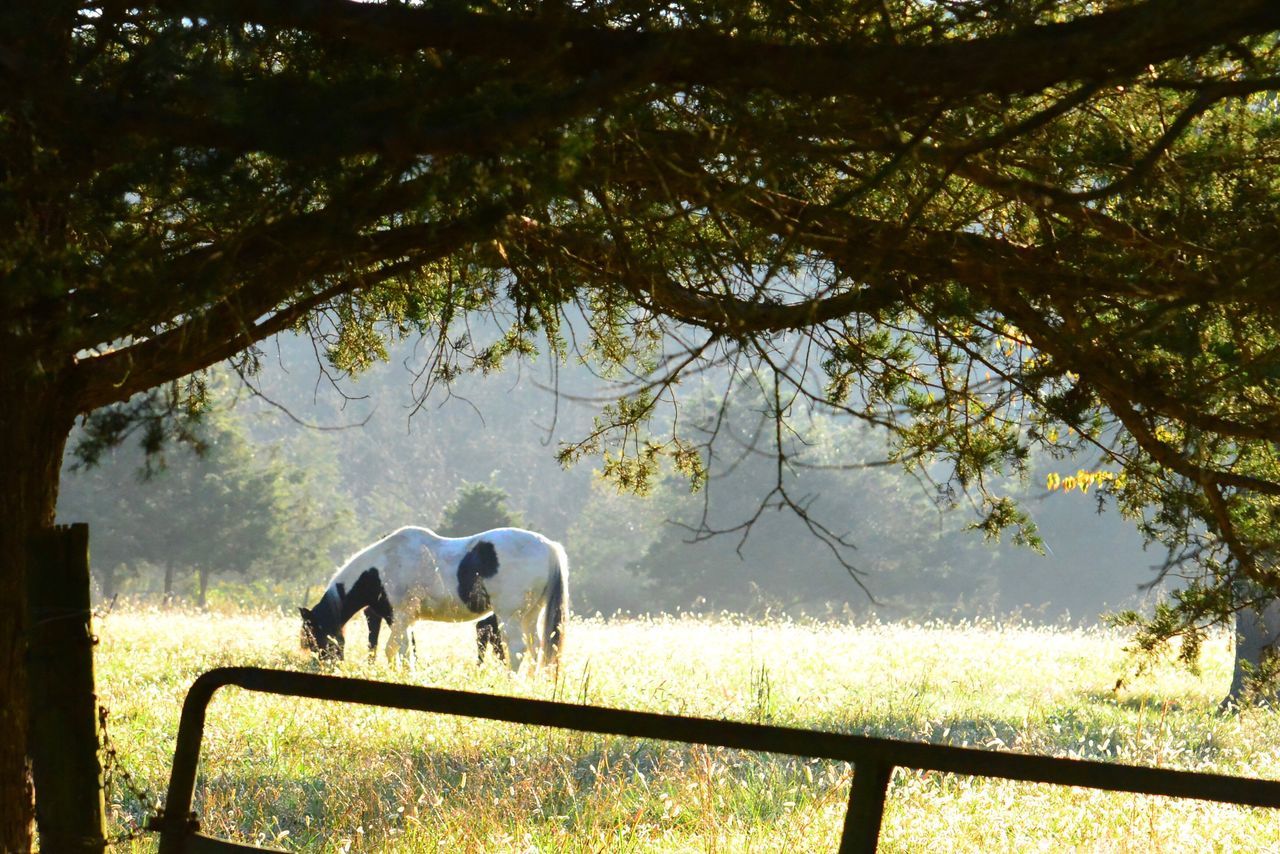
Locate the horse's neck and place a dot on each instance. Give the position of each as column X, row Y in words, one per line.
column 365, row 590
column 347, row 608
column 330, row 605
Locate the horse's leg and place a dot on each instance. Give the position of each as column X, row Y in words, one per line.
column 482, row 638
column 513, row 632
column 400, row 645
column 488, row 635
column 375, row 626
column 495, row 639
column 400, row 641
column 394, row 641
column 529, row 631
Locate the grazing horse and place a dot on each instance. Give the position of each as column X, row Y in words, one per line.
column 512, row 575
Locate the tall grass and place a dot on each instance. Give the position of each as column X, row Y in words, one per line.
column 307, row 775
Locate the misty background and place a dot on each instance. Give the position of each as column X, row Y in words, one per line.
column 310, row 469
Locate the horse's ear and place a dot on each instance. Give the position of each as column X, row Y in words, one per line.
column 305, row 612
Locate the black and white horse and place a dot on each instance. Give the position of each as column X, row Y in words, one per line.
column 519, row 578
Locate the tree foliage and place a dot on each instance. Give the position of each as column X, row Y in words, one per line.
column 227, row 506
column 478, row 507
column 992, row 222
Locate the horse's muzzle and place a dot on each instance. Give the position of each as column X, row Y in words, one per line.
column 331, row 650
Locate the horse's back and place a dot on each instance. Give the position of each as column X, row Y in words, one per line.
column 399, row 543
column 510, row 543
column 520, row 540
column 516, row 562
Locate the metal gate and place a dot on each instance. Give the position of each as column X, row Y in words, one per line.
column 873, row 758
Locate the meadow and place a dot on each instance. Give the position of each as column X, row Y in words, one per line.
column 311, row 776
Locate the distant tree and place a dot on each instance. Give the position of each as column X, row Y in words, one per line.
column 610, row 533
column 224, row 506
column 403, row 461
column 478, row 507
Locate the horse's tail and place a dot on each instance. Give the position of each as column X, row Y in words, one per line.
column 557, row 611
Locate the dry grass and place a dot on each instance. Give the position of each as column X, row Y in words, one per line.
column 313, row 776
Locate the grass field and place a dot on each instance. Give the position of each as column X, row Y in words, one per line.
column 312, row 776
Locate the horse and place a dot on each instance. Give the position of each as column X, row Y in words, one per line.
column 509, row 575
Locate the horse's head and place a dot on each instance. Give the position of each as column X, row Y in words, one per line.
column 322, row 626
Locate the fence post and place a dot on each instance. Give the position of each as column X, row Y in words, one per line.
column 65, row 763
column 866, row 807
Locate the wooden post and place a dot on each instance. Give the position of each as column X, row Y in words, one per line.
column 65, row 762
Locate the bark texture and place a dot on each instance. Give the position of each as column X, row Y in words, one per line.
column 33, row 434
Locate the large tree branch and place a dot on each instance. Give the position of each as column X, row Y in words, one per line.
column 273, row 301
column 1096, row 47
column 884, row 256
column 306, row 245
column 669, row 165
column 1136, row 172
column 316, row 122
column 1120, row 397
column 657, row 291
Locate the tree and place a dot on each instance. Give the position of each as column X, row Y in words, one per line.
column 223, row 507
column 612, row 531
column 478, row 507
column 1080, row 201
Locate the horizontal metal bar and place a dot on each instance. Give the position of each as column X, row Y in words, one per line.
column 745, row 736
column 198, row 843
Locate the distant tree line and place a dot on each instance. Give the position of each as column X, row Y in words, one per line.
column 256, row 508
column 218, row 508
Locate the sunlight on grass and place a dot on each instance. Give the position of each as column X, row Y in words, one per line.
column 307, row 775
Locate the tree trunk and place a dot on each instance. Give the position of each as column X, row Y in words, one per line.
column 168, row 582
column 17, row 804
column 107, row 582
column 40, row 405
column 204, row 586
column 1256, row 638
column 33, row 433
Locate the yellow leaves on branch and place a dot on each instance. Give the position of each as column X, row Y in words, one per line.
column 1083, row 480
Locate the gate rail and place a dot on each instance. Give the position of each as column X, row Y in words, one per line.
column 873, row 758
